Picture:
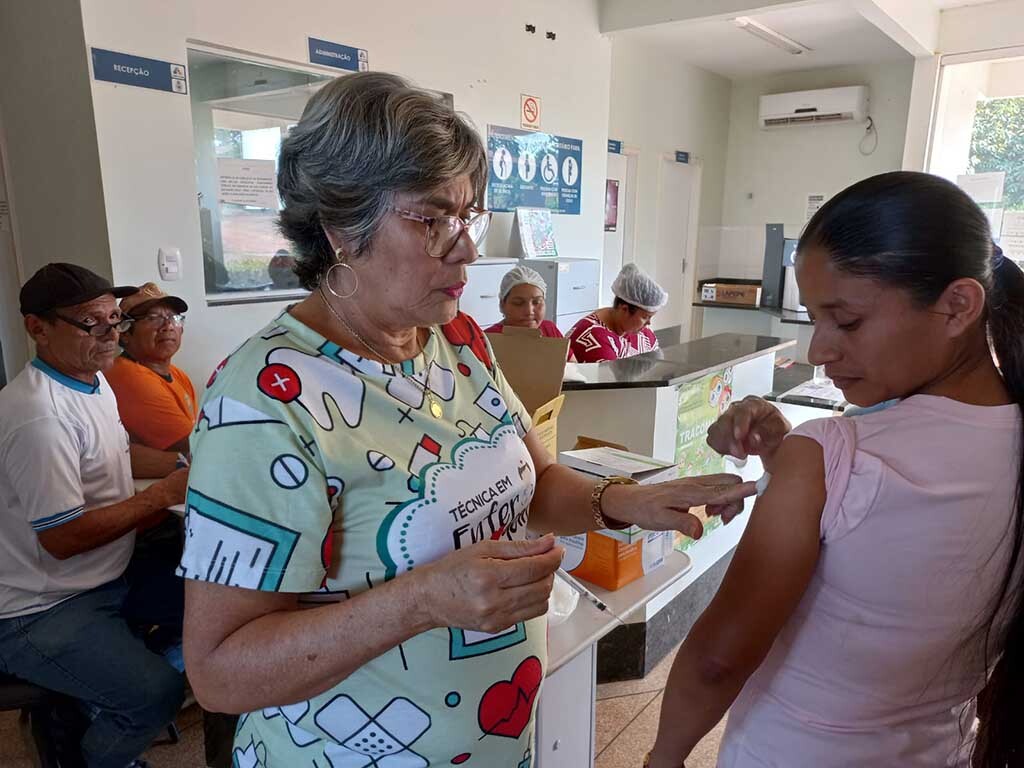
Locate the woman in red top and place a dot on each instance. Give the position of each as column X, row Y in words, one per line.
column 522, row 296
column 623, row 329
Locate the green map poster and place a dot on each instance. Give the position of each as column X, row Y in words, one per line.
column 701, row 402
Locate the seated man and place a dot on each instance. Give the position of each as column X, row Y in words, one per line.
column 68, row 521
column 156, row 399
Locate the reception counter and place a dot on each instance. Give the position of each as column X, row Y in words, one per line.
column 644, row 403
column 635, row 402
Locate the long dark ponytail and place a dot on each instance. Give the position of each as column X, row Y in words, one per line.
column 1000, row 741
column 920, row 233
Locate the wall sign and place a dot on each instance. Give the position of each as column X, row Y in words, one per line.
column 682, row 157
column 614, row 147
column 125, row 69
column 338, row 56
column 529, row 111
column 533, row 170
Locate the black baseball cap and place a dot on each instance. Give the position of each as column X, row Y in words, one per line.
column 63, row 285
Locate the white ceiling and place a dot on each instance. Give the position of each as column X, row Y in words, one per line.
column 837, row 34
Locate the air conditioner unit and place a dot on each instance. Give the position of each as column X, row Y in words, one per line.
column 824, row 107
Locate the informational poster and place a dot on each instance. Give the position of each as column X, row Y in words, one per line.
column 533, row 170
column 248, row 182
column 700, row 404
column 1012, row 240
column 611, row 204
column 814, row 202
column 533, row 234
column 986, row 189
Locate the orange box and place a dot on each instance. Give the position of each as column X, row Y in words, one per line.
column 748, row 294
column 611, row 563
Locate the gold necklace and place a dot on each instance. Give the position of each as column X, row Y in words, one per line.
column 435, row 406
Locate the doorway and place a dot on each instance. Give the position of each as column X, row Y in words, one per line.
column 619, row 217
column 978, row 138
column 677, row 214
column 13, row 340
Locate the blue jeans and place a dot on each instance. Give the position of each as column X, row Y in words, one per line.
column 84, row 648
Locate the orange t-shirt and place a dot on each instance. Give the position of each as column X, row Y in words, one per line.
column 156, row 412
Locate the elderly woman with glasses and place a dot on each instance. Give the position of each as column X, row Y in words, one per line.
column 359, row 584
column 156, row 399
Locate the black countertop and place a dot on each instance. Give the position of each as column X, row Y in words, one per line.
column 676, row 363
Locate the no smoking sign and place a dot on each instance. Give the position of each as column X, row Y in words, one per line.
column 529, row 111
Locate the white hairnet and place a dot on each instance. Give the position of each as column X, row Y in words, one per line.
column 636, row 287
column 522, row 275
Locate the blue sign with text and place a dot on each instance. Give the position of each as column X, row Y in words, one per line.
column 123, row 68
column 682, row 157
column 530, row 169
column 338, row 56
column 614, row 146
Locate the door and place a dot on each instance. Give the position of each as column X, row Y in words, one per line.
column 13, row 340
column 615, row 195
column 677, row 212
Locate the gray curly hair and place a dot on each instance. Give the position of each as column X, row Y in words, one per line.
column 362, row 139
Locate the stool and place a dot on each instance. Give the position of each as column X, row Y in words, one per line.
column 35, row 704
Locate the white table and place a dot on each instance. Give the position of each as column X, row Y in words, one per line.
column 565, row 713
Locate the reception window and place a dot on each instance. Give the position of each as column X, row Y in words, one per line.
column 241, row 111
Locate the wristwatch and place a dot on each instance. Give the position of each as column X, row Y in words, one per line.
column 595, row 503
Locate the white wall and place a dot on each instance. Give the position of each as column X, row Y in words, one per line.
column 1006, row 80
column 982, row 27
column 53, row 173
column 770, row 173
column 660, row 104
column 988, row 27
column 484, row 59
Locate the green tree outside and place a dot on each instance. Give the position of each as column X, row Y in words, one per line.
column 997, row 144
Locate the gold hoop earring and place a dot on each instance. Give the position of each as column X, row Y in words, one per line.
column 327, row 277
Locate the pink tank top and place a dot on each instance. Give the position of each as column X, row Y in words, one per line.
column 877, row 666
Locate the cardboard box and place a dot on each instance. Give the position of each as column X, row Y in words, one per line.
column 545, row 424
column 610, row 563
column 612, row 559
column 719, row 292
column 534, row 365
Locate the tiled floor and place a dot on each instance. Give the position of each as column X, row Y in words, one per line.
column 627, row 720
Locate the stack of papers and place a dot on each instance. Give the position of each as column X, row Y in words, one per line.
column 605, row 462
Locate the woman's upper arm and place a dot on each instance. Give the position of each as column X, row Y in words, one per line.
column 213, row 612
column 773, row 564
column 541, row 456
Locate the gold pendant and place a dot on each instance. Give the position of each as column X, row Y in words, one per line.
column 435, row 409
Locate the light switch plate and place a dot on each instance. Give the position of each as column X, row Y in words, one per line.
column 168, row 261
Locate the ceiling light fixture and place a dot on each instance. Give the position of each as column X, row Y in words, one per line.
column 769, row 35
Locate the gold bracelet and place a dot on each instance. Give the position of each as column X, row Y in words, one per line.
column 595, row 503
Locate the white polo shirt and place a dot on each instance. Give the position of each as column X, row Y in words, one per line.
column 63, row 452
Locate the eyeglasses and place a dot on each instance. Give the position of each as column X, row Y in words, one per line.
column 158, row 320
column 99, row 330
column 443, row 232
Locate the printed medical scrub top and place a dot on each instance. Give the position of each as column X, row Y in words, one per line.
column 319, row 472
